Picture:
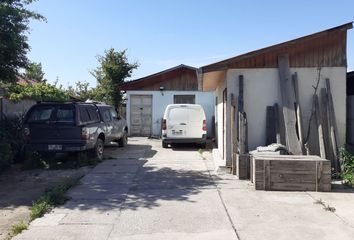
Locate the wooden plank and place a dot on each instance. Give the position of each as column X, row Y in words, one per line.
column 288, row 100
column 277, row 124
column 332, row 127
column 325, row 121
column 319, row 127
column 240, row 94
column 298, row 110
column 312, row 174
column 243, row 145
column 243, row 166
column 266, row 174
column 270, row 126
column 234, row 138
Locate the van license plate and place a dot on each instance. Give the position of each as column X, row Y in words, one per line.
column 54, row 147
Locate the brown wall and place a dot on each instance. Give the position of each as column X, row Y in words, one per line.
column 181, row 79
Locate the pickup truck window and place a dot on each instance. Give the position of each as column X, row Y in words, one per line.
column 106, row 115
column 40, row 114
column 93, row 113
column 84, row 116
column 113, row 113
column 65, row 115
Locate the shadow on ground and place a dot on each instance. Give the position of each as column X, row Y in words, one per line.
column 129, row 181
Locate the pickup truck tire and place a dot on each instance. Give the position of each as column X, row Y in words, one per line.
column 123, row 141
column 164, row 144
column 98, row 150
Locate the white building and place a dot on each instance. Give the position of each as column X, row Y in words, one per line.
column 147, row 98
column 324, row 50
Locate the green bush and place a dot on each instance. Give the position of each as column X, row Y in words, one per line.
column 347, row 162
column 39, row 92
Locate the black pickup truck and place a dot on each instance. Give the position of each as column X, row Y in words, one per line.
column 57, row 127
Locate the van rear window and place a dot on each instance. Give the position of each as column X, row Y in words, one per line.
column 184, row 114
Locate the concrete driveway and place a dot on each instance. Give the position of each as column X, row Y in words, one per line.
column 147, row 192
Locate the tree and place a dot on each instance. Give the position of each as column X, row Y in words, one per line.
column 34, row 72
column 113, row 70
column 14, row 25
column 82, row 91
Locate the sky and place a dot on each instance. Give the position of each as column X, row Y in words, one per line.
column 159, row 34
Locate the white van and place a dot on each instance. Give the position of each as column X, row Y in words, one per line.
column 184, row 123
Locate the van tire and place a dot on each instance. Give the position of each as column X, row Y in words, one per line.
column 164, row 144
column 123, row 141
column 98, row 150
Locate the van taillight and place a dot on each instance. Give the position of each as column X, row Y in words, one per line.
column 27, row 133
column 164, row 125
column 204, row 125
column 85, row 134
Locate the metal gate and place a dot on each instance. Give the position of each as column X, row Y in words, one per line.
column 140, row 115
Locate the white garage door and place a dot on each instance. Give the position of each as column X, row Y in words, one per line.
column 140, row 115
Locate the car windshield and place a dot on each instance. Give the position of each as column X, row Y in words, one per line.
column 52, row 113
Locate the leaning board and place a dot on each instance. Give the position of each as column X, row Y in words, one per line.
column 291, row 173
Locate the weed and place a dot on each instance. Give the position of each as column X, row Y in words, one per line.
column 329, row 208
column 325, row 207
column 52, row 197
column 319, row 201
column 39, row 208
column 18, row 228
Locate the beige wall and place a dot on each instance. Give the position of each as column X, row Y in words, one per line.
column 261, row 89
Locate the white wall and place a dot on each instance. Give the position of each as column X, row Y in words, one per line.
column 262, row 88
column 160, row 102
column 219, row 116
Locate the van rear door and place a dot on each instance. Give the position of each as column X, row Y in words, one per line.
column 184, row 121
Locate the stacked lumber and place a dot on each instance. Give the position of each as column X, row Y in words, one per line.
column 291, row 173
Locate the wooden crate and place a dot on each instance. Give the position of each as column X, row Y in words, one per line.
column 291, row 173
column 243, row 166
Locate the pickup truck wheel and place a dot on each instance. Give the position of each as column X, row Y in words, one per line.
column 164, row 144
column 123, row 141
column 98, row 150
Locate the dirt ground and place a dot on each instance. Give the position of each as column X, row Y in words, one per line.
column 18, row 189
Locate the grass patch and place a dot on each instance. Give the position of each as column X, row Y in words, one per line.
column 52, row 197
column 17, row 228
